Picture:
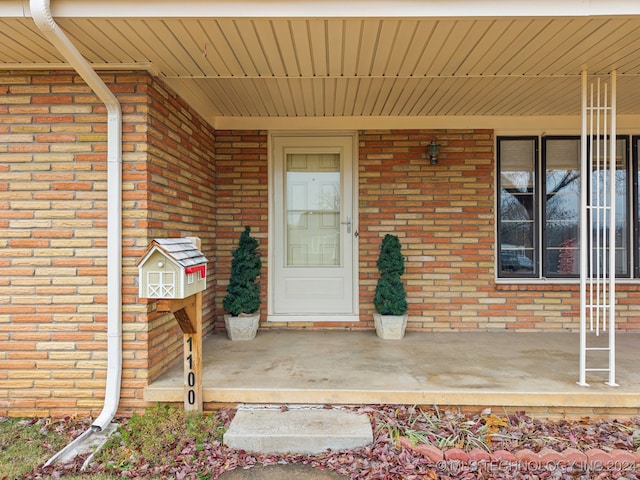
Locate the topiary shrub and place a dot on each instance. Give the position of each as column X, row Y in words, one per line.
column 390, row 297
column 243, row 292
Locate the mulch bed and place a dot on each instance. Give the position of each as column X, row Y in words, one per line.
column 414, row 443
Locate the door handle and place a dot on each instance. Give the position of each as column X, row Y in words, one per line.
column 348, row 224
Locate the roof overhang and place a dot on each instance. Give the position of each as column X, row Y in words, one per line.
column 324, row 64
column 325, row 8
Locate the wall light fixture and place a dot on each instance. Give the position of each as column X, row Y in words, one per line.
column 434, row 148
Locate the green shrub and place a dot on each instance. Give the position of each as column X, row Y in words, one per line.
column 390, row 297
column 243, row 292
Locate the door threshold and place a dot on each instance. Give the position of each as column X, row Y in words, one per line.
column 313, row 318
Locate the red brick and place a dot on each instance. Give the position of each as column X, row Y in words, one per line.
column 548, row 455
column 526, row 455
column 405, row 442
column 456, row 454
column 572, row 455
column 52, row 99
column 596, row 455
column 503, row 456
column 477, row 455
column 620, row 457
column 433, row 453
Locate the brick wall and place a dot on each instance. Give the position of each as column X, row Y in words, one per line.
column 53, row 234
column 241, row 200
column 179, row 181
column 444, row 215
column 53, row 244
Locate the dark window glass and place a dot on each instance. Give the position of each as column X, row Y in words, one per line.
column 601, row 188
column 561, row 229
column 517, row 206
column 636, row 193
column 556, row 194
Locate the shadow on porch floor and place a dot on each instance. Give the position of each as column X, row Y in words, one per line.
column 535, row 372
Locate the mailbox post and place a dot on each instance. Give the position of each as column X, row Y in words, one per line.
column 174, row 271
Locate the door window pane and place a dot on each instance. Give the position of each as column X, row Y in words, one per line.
column 313, row 209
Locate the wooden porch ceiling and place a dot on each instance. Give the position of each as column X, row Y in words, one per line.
column 354, row 67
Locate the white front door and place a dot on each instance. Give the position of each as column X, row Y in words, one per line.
column 313, row 246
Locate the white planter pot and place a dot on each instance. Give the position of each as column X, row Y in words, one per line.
column 390, row 327
column 242, row 327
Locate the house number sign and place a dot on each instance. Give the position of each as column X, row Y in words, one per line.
column 192, row 343
column 189, row 371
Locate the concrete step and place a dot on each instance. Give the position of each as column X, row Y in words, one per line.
column 291, row 471
column 297, row 430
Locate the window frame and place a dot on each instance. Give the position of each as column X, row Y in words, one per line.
column 635, row 207
column 536, row 222
column 632, row 205
column 629, row 210
column 543, row 206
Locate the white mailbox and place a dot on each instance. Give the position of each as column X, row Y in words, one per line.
column 172, row 268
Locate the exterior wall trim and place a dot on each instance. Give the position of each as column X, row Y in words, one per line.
column 502, row 125
column 320, row 8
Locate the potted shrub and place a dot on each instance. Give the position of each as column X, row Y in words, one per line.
column 390, row 299
column 243, row 292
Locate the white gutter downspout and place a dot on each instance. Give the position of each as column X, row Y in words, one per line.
column 41, row 14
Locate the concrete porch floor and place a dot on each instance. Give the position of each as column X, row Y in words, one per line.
column 516, row 371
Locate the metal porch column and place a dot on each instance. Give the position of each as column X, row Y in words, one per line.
column 598, row 223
